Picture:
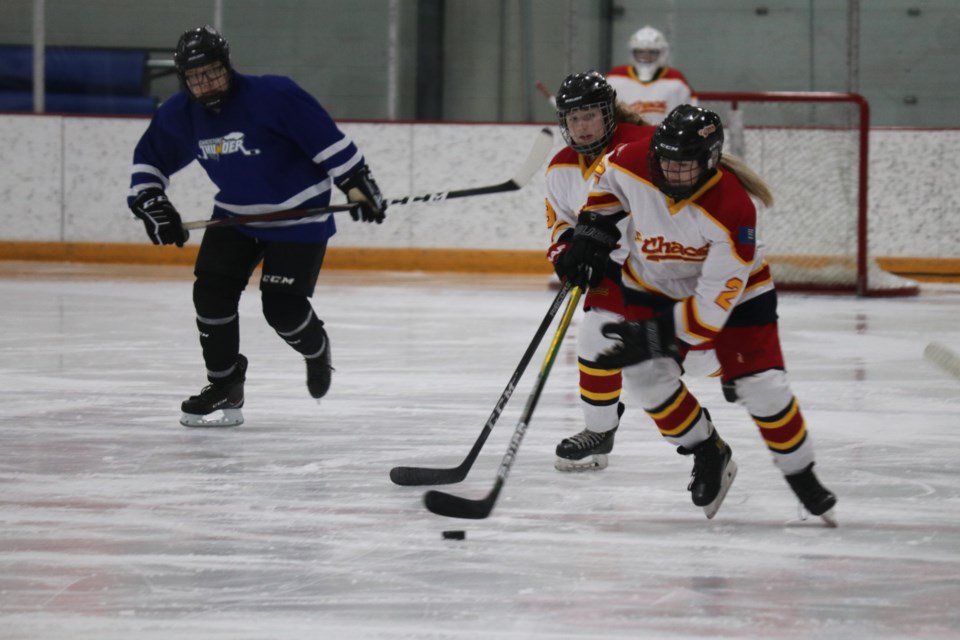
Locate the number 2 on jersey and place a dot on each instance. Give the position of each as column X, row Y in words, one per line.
column 726, row 297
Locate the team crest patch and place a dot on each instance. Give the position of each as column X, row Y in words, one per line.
column 214, row 148
column 747, row 235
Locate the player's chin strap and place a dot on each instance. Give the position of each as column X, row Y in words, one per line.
column 534, row 162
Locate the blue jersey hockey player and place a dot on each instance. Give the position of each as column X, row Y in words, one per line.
column 268, row 146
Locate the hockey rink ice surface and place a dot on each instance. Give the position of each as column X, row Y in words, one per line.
column 118, row 523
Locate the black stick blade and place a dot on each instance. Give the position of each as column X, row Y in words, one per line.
column 445, row 504
column 415, row 476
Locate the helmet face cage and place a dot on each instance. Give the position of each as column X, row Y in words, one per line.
column 687, row 134
column 197, row 48
column 581, row 91
column 648, row 39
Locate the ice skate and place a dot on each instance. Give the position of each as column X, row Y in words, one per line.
column 713, row 472
column 816, row 498
column 319, row 370
column 218, row 405
column 587, row 450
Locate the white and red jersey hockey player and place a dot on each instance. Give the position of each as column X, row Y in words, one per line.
column 568, row 178
column 696, row 273
column 592, row 123
column 650, row 87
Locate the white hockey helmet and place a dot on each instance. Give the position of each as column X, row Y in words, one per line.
column 649, row 51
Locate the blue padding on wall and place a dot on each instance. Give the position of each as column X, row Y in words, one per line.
column 16, row 68
column 22, row 102
column 76, row 70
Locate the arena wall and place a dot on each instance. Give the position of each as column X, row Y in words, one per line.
column 66, row 179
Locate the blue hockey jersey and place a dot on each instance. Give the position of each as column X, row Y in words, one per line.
column 272, row 147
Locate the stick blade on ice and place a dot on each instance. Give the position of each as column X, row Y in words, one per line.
column 416, row 476
column 451, row 506
column 412, row 476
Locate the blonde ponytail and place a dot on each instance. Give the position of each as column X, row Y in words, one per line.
column 752, row 182
column 623, row 113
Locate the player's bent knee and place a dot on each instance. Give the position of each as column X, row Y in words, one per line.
column 590, row 339
column 285, row 312
column 652, row 381
column 216, row 296
column 764, row 393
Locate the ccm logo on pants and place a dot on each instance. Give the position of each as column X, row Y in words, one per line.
column 277, row 279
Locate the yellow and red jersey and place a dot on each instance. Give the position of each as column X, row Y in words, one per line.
column 701, row 251
column 568, row 179
column 653, row 99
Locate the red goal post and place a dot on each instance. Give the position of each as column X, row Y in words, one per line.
column 813, row 149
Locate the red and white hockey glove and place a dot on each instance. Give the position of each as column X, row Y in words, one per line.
column 557, row 248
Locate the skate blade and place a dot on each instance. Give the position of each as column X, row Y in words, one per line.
column 594, row 463
column 728, row 476
column 830, row 519
column 227, row 418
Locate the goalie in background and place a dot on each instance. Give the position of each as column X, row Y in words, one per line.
column 695, row 273
column 650, row 87
column 268, row 146
column 592, row 122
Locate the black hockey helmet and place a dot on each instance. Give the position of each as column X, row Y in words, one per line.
column 688, row 133
column 197, row 48
column 582, row 91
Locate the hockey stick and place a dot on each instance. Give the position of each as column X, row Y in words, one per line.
column 289, row 214
column 552, row 99
column 445, row 504
column 408, row 476
column 943, row 357
column 534, row 162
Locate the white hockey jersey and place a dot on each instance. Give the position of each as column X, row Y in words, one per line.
column 568, row 183
column 654, row 99
column 701, row 251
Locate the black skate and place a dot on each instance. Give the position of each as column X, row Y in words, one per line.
column 221, row 397
column 319, row 370
column 713, row 473
column 573, row 452
column 816, row 498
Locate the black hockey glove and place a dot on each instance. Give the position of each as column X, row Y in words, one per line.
column 594, row 237
column 640, row 340
column 160, row 218
column 362, row 189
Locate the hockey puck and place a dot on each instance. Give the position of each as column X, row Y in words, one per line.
column 454, row 535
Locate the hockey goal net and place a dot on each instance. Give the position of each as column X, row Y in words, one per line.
column 812, row 149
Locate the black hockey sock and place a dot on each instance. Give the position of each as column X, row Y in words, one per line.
column 293, row 319
column 220, row 342
column 308, row 339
